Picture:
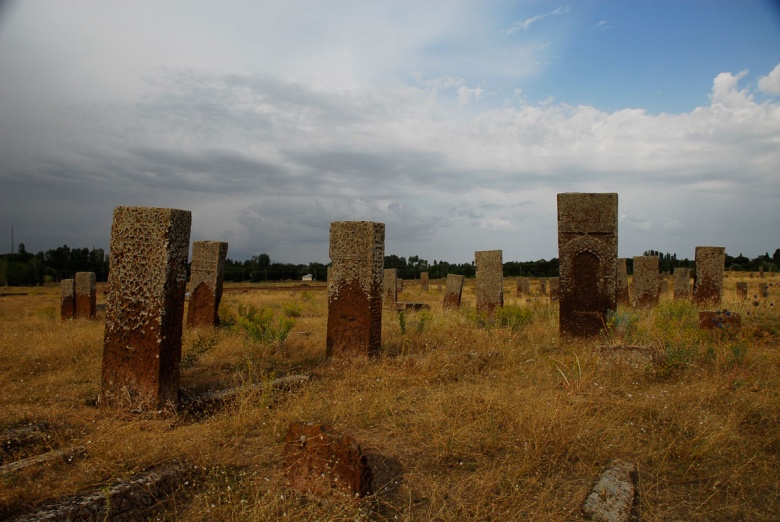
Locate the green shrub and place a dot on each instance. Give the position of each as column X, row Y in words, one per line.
column 258, row 324
column 513, row 317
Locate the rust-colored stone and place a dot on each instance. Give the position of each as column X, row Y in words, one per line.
column 206, row 281
column 319, row 461
column 682, row 283
column 424, row 282
column 86, row 295
column 742, row 290
column 623, row 298
column 587, row 250
column 490, row 281
column 554, row 284
column 390, row 285
column 719, row 319
column 67, row 299
column 357, row 250
column 708, row 282
column 453, row 292
column 646, row 281
column 147, row 281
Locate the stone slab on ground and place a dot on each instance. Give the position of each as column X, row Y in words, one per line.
column 615, row 496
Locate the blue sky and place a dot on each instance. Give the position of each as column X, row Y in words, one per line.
column 454, row 122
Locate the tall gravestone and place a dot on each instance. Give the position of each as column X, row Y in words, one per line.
column 490, row 281
column 86, row 295
column 67, row 299
column 708, row 282
column 453, row 292
column 424, row 282
column 357, row 250
column 207, row 275
column 682, row 283
column 623, row 298
column 390, row 285
column 646, row 281
column 587, row 250
column 147, row 282
column 742, row 290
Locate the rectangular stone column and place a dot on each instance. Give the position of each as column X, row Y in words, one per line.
column 682, row 283
column 86, row 295
column 490, row 281
column 147, row 281
column 708, row 281
column 623, row 298
column 453, row 292
column 646, row 281
column 67, row 299
column 587, row 250
column 390, row 285
column 357, row 250
column 424, row 282
column 207, row 275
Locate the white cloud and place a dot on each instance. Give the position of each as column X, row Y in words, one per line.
column 770, row 84
column 526, row 24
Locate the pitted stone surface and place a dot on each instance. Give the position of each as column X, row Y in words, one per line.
column 615, row 496
column 453, row 292
column 587, row 250
column 357, row 250
column 708, row 282
column 646, row 282
column 622, row 283
column 67, row 299
column 490, row 281
column 424, row 282
column 682, row 283
column 390, row 285
column 147, row 282
column 206, row 281
column 86, row 295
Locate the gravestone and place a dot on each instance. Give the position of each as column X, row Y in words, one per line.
column 555, row 288
column 587, row 250
column 453, row 292
column 490, row 281
column 761, row 272
column 357, row 250
column 206, row 280
column 424, row 282
column 67, row 299
column 147, row 282
column 86, row 295
column 399, row 285
column 763, row 290
column 390, row 285
column 622, row 283
column 708, row 282
column 742, row 290
column 523, row 288
column 682, row 283
column 543, row 286
column 646, row 281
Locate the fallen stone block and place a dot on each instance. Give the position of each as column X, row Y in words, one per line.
column 615, row 497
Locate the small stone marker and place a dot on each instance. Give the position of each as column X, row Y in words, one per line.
column 719, row 319
column 147, row 282
column 490, row 281
column 206, row 281
column 763, row 290
column 555, row 288
column 319, row 461
column 587, row 250
column 742, row 290
column 622, row 283
column 543, row 286
column 523, row 287
column 67, row 299
column 390, row 285
column 400, row 285
column 615, row 496
column 357, row 250
column 453, row 292
column 424, row 282
column 761, row 272
column 708, row 285
column 86, row 295
column 646, row 281
column 682, row 283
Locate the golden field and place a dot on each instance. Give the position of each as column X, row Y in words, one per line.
column 461, row 419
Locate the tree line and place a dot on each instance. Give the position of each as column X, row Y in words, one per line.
column 24, row 268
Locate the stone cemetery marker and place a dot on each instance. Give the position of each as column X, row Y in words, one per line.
column 390, row 285
column 682, row 283
column 646, row 280
column 490, row 281
column 86, row 295
column 622, row 282
column 206, row 280
column 763, row 290
column 587, row 250
column 708, row 283
column 761, row 272
column 67, row 299
column 399, row 284
column 742, row 289
column 424, row 282
column 523, row 288
column 543, row 286
column 453, row 292
column 555, row 288
column 147, row 282
column 357, row 250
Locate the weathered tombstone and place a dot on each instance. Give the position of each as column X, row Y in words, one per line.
column 147, row 282
column 490, row 281
column 682, row 283
column 587, row 250
column 206, row 280
column 708, row 282
column 357, row 250
column 400, row 285
column 622, row 282
column 646, row 281
column 543, row 286
column 86, row 295
column 453, row 292
column 424, row 282
column 67, row 299
column 390, row 285
column 742, row 289
column 761, row 272
column 615, row 497
column 555, row 288
column 523, row 287
column 763, row 290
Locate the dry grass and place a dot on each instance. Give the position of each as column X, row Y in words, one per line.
column 461, row 420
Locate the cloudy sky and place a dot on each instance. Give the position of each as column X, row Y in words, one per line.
column 455, row 123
